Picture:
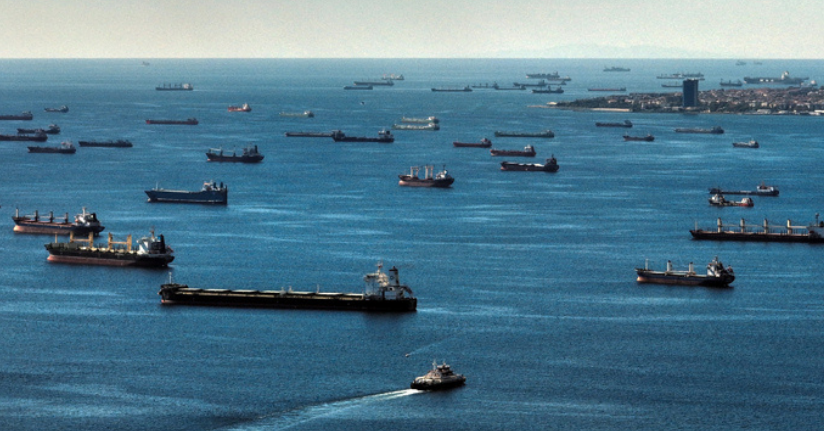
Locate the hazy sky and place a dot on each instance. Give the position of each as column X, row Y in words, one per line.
column 410, row 28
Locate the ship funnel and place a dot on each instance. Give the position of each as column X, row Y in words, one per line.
column 393, row 276
column 692, row 268
column 669, row 266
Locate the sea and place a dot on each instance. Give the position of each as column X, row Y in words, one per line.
column 525, row 281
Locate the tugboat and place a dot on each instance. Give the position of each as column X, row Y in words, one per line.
column 210, row 193
column 382, row 293
column 244, row 108
column 249, row 155
column 717, row 275
column 485, row 143
column 528, row 151
column 151, row 252
column 84, row 223
column 439, row 377
column 761, row 190
column 719, row 201
column 64, row 148
column 441, row 180
column 551, row 165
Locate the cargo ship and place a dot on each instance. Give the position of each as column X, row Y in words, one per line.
column 384, row 137
column 382, row 83
column 427, row 127
column 53, row 129
column 357, row 87
column 761, row 190
column 554, row 76
column 210, row 193
column 784, row 79
column 83, row 224
column 719, row 200
column 542, row 134
column 765, row 232
column 614, row 89
column 625, row 123
column 426, row 120
column 466, row 89
column 717, row 275
column 62, row 109
column 616, row 69
column 308, row 134
column 249, row 155
column 175, row 87
column 438, row 378
column 746, row 144
column 243, row 108
column 151, row 252
column 63, row 148
column 186, row 122
column 304, row 114
column 551, row 165
column 38, row 137
column 730, row 83
column 528, row 151
column 440, row 180
column 648, row 138
column 120, row 143
column 714, row 131
column 484, row 143
column 383, row 292
column 548, row 90
column 24, row 116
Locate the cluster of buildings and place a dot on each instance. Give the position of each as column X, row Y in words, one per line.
column 804, row 100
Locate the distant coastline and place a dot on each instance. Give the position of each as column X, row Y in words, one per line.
column 767, row 101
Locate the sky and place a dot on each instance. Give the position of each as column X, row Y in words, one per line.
column 741, row 29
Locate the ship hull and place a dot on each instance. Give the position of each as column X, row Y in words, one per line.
column 51, row 228
column 175, row 196
column 191, row 122
column 525, row 134
column 450, row 384
column 472, row 144
column 115, row 144
column 427, row 183
column 512, row 153
column 175, row 294
column 81, row 256
column 756, row 236
column 523, row 167
column 24, row 138
column 237, row 159
column 717, row 191
column 657, row 277
column 52, row 150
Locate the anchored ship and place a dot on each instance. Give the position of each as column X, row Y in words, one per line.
column 648, row 138
column 748, row 144
column 53, row 129
column 383, row 292
column 625, row 123
column 243, row 108
column 428, row 126
column 25, row 116
column 426, row 120
column 717, row 275
column 384, row 137
column 84, row 223
column 210, row 193
column 151, row 252
column 717, row 130
column 528, row 151
column 38, row 137
column 120, row 143
column 304, row 114
column 440, row 180
column 542, row 134
column 439, row 377
column 175, row 87
column 484, row 143
column 813, row 233
column 760, row 190
column 249, row 155
column 63, row 148
column 62, row 109
column 551, row 165
column 720, row 201
column 783, row 79
column 187, row 122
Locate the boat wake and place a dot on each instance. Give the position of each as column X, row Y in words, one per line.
column 293, row 418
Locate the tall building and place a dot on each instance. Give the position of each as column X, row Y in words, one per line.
column 690, row 92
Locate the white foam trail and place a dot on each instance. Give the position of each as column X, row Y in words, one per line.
column 292, row 418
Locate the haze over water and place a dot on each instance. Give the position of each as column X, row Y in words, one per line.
column 525, row 280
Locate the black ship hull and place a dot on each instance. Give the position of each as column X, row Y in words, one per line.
column 756, row 236
column 181, row 294
column 107, row 144
column 526, row 167
column 219, row 197
column 82, row 256
column 717, row 191
column 257, row 158
column 189, row 122
column 657, row 277
column 24, row 138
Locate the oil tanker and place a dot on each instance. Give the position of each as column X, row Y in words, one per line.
column 151, row 252
column 383, row 292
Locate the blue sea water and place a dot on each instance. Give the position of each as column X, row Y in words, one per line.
column 525, row 280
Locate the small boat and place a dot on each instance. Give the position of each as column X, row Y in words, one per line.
column 357, row 87
column 717, row 130
column 248, row 155
column 384, row 137
column 439, row 377
column 441, row 180
column 24, row 116
column 717, row 275
column 186, row 122
column 760, row 190
column 616, row 89
column 541, row 134
column 429, row 126
column 175, row 87
column 120, row 143
column 53, row 129
column 426, row 120
column 551, row 165
column 62, row 109
column 736, row 83
column 648, row 138
column 466, row 89
column 304, row 114
column 528, row 151
column 749, row 144
column 151, row 252
column 37, row 137
column 558, row 90
column 485, row 143
column 626, row 123
column 718, row 200
column 210, row 193
column 64, row 148
column 83, row 224
column 243, row 108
